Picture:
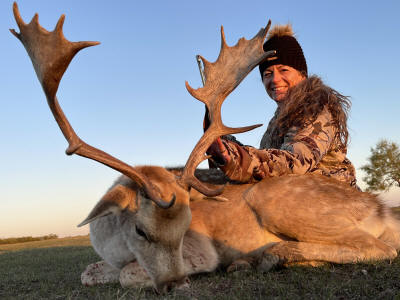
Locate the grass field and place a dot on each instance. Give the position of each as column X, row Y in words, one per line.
column 51, row 270
column 62, row 242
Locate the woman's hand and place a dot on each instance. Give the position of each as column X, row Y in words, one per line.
column 219, row 152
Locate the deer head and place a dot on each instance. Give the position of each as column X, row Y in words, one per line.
column 156, row 205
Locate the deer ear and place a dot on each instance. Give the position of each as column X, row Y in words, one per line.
column 118, row 198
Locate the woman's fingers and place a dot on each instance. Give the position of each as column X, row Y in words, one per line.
column 223, row 151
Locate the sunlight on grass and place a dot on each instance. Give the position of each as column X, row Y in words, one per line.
column 61, row 242
column 54, row 273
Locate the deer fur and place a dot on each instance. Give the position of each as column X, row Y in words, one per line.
column 296, row 218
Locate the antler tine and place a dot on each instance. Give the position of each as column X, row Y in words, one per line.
column 35, row 19
column 51, row 53
column 222, row 77
column 17, row 15
column 60, row 24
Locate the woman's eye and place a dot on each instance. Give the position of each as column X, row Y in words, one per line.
column 141, row 233
column 266, row 75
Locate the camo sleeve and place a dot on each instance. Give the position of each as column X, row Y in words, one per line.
column 301, row 150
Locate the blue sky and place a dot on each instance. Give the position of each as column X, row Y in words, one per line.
column 127, row 95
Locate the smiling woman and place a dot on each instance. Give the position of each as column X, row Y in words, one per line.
column 287, row 68
column 277, row 80
column 308, row 133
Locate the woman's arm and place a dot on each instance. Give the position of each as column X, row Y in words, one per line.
column 301, row 150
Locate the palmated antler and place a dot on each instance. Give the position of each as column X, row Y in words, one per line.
column 222, row 77
column 51, row 53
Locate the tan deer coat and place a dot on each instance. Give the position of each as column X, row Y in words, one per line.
column 313, row 148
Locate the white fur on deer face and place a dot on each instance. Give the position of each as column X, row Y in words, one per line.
column 155, row 234
column 156, row 237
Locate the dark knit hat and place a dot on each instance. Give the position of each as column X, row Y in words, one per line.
column 288, row 50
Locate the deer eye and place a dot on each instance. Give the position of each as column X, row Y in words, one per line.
column 141, row 233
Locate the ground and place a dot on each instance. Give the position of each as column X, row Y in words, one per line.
column 47, row 270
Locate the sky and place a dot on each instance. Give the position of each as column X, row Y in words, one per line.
column 127, row 96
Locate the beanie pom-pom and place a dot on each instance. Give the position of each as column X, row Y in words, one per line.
column 281, row 30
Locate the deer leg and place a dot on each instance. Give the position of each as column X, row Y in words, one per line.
column 356, row 246
column 99, row 273
column 391, row 237
column 133, row 275
column 268, row 261
column 240, row 264
column 311, row 263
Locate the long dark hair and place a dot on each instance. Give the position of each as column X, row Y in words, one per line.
column 305, row 102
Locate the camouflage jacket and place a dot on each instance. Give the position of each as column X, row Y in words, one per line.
column 309, row 149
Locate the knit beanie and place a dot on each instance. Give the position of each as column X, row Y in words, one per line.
column 288, row 50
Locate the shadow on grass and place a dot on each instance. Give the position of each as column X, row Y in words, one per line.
column 54, row 273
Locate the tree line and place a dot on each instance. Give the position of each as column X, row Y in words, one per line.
column 383, row 167
column 25, row 239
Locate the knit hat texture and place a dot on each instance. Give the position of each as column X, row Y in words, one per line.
column 288, row 50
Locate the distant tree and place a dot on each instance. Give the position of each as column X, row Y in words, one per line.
column 25, row 239
column 383, row 168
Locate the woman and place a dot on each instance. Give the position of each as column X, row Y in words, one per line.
column 308, row 133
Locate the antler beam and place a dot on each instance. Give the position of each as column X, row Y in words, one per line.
column 51, row 53
column 222, row 77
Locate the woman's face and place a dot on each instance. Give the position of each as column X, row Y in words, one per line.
column 277, row 79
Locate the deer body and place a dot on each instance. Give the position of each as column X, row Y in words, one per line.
column 280, row 212
column 263, row 224
column 209, row 219
column 232, row 226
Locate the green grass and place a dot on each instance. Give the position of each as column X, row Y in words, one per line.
column 54, row 273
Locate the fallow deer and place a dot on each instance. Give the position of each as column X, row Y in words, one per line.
column 149, row 232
